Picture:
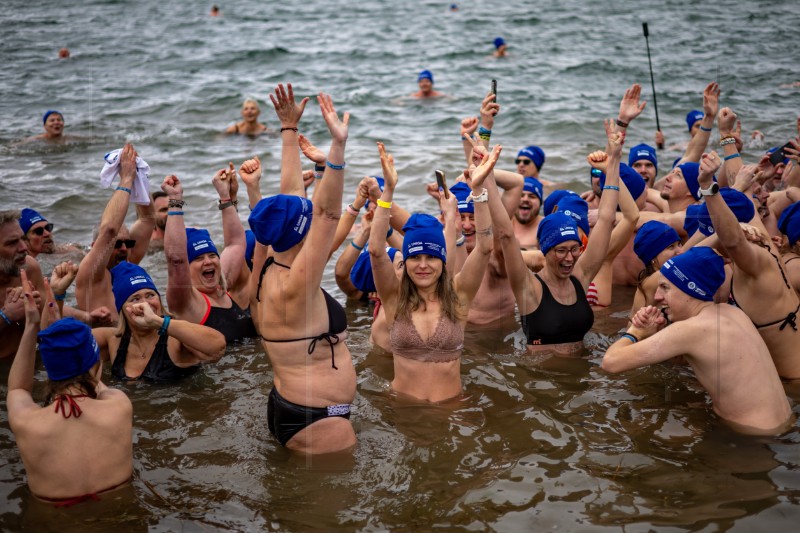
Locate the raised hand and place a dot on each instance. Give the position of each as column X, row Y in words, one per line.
column 14, row 307
column 387, row 164
column 489, row 110
column 101, row 317
column 308, row 178
column 221, row 184
column 172, row 186
column 63, row 276
column 310, row 151
column 479, row 151
column 615, row 138
column 726, row 121
column 338, row 128
column 482, row 171
column 29, row 305
column 711, row 99
column 288, row 111
column 52, row 312
column 746, row 177
column 250, row 171
column 143, row 316
column 449, row 205
column 127, row 162
column 598, row 160
column 468, row 126
column 365, row 191
column 709, row 164
column 629, row 106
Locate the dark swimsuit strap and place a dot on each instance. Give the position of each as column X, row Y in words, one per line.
column 267, row 263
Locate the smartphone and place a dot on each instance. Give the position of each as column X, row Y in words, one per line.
column 494, row 89
column 440, row 181
column 779, row 155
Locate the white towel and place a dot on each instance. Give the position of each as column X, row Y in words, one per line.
column 141, row 184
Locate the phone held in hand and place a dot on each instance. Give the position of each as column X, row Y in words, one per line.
column 780, row 154
column 494, row 89
column 441, row 182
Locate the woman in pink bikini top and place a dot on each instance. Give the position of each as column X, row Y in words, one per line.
column 427, row 308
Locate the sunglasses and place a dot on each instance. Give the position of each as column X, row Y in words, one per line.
column 129, row 243
column 523, row 161
column 41, row 229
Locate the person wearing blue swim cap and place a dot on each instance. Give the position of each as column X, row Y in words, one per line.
column 718, row 341
column 425, row 83
column 500, row 47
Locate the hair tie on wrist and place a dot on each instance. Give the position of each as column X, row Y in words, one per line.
column 352, row 210
column 384, row 204
column 336, row 167
column 319, row 168
column 60, row 297
column 705, row 129
column 732, row 156
column 124, row 189
column 357, row 247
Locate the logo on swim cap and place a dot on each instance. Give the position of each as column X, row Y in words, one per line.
column 414, row 249
column 138, row 279
column 691, row 285
column 642, row 153
column 200, row 245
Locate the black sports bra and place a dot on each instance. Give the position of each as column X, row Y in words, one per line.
column 555, row 323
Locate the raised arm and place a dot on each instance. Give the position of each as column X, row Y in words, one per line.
column 629, row 108
column 250, row 172
column 468, row 127
column 733, row 161
column 621, row 234
column 351, row 213
column 289, row 113
column 348, row 258
column 141, row 231
column 232, row 256
column 589, row 263
column 327, row 203
column 699, row 142
column 382, row 269
column 181, row 296
column 93, row 266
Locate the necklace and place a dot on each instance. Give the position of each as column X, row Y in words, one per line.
column 142, row 346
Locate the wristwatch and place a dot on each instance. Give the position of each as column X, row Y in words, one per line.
column 711, row 191
column 482, row 197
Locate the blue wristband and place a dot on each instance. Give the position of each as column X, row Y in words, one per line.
column 127, row 190
column 389, row 233
column 483, row 130
column 357, row 247
column 174, row 213
column 630, row 337
column 164, row 325
column 60, row 297
column 732, row 156
column 5, row 317
column 611, row 187
column 705, row 129
column 336, row 167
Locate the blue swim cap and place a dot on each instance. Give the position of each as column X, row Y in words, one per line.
column 250, row 249
column 198, row 242
column 361, row 273
column 535, row 154
column 553, row 199
column 128, row 278
column 698, row 272
column 789, row 223
column 633, row 180
column 693, row 116
column 697, row 217
column 498, row 42
column 555, row 229
column 50, row 112
column 68, row 349
column 691, row 172
column 425, row 75
column 28, row 218
column 462, row 191
column 576, row 207
column 643, row 152
column 424, row 235
column 532, row 185
column 653, row 238
column 281, row 221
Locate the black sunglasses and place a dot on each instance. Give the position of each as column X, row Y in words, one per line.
column 129, row 243
column 523, row 161
column 41, row 229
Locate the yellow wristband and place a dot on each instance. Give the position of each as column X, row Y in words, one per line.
column 385, row 205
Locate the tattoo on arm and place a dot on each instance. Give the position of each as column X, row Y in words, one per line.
column 485, row 232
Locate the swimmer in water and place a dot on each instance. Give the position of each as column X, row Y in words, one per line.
column 425, row 82
column 250, row 126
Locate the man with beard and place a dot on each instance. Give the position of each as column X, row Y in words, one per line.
column 13, row 258
column 38, row 236
column 527, row 217
column 112, row 243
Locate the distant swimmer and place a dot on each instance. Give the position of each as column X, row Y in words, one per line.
column 215, row 12
column 425, row 82
column 53, row 122
column 63, row 53
column 250, row 126
column 500, row 47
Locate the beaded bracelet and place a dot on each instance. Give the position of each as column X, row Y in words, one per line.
column 336, row 167
column 357, row 247
column 732, row 156
column 726, row 141
column 611, row 187
column 631, row 337
column 289, row 129
column 621, row 124
column 705, row 129
column 124, row 189
column 176, row 203
column 174, row 213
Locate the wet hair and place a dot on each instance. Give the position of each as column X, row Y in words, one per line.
column 84, row 382
column 11, row 215
column 410, row 300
